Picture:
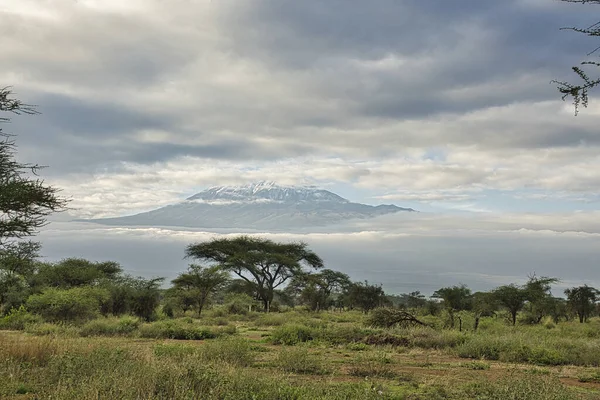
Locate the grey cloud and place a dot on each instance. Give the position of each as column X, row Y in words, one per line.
column 268, row 80
column 86, row 48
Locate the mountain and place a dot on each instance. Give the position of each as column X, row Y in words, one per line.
column 263, row 205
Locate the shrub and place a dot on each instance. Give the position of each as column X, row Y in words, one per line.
column 376, row 365
column 18, row 319
column 48, row 329
column 239, row 303
column 514, row 386
column 291, row 334
column 336, row 334
column 175, row 351
column 548, row 323
column 271, row 320
column 299, row 360
column 230, row 350
column 427, row 338
column 386, row 339
column 176, row 329
column 76, row 304
column 388, row 317
column 110, row 327
column 476, row 365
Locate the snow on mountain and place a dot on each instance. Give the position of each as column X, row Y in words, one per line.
column 262, row 205
column 265, row 192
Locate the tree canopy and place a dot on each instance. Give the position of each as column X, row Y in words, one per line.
column 511, row 297
column 263, row 263
column 582, row 300
column 198, row 284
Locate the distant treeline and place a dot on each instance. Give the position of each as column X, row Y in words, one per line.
column 245, row 274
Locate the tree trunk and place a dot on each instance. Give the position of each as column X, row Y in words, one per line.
column 514, row 317
column 476, row 325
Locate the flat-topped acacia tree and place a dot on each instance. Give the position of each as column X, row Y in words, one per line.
column 265, row 264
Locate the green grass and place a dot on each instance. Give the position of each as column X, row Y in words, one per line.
column 296, row 355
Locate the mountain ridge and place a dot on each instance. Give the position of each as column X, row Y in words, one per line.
column 261, row 205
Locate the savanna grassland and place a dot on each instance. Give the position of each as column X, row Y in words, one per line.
column 295, row 355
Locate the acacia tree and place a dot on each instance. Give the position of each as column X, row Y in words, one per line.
column 579, row 92
column 199, row 283
column 145, row 296
column 365, row 296
column 25, row 202
column 511, row 297
column 455, row 298
column 18, row 264
column 317, row 290
column 263, row 263
column 539, row 297
column 582, row 300
column 483, row 305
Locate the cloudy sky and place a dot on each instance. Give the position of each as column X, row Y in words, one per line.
column 443, row 106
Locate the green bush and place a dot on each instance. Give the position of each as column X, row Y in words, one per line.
column 299, row 360
column 18, row 319
column 239, row 303
column 373, row 365
column 271, row 320
column 76, row 304
column 177, row 329
column 175, row 351
column 292, row 334
column 515, row 386
column 343, row 334
column 231, row 350
column 110, row 327
column 48, row 329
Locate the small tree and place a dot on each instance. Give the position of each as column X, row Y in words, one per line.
column 318, row 290
column 511, row 297
column 455, row 298
column 365, row 296
column 540, row 301
column 145, row 297
column 18, row 263
column 76, row 304
column 483, row 305
column 73, row 272
column 582, row 300
column 414, row 300
column 199, row 283
column 264, row 264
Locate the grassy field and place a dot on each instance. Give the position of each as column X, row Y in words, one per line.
column 297, row 355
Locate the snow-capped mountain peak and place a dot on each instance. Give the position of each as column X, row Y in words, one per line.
column 261, row 205
column 266, row 192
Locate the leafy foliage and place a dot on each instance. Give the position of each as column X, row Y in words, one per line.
column 511, row 297
column 75, row 304
column 582, row 300
column 265, row 264
column 579, row 92
column 25, row 202
column 198, row 284
column 365, row 296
